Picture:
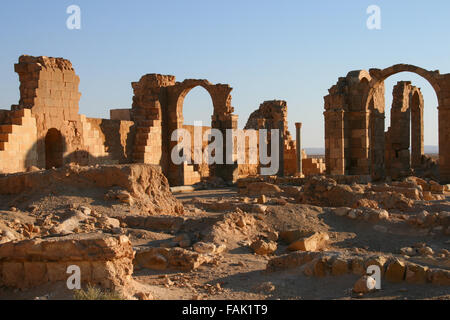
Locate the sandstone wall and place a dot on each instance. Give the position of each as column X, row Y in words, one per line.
column 18, row 149
column 273, row 115
column 114, row 138
column 105, row 261
column 354, row 122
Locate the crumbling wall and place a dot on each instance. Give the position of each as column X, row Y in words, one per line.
column 222, row 119
column 103, row 260
column 398, row 134
column 417, row 127
column 111, row 140
column 273, row 115
column 18, row 142
column 147, row 113
column 45, row 129
column 49, row 87
column 198, row 171
column 354, row 121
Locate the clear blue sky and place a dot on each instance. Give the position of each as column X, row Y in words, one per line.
column 291, row 50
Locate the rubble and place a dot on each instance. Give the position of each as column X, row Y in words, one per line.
column 315, row 242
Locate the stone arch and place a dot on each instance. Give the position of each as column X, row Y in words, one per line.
column 222, row 118
column 416, row 139
column 433, row 77
column 54, row 149
column 347, row 121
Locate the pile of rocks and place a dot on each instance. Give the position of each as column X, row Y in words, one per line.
column 130, row 183
column 438, row 221
column 326, row 192
column 321, row 264
column 364, row 213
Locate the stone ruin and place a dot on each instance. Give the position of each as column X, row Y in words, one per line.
column 355, row 138
column 122, row 167
column 45, row 130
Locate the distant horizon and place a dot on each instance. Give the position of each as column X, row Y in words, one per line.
column 321, row 150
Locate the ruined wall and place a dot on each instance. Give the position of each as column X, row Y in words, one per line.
column 115, row 136
column 195, row 172
column 104, row 261
column 417, row 127
column 273, row 115
column 49, row 87
column 158, row 112
column 398, row 134
column 405, row 138
column 18, row 149
column 120, row 114
column 222, row 119
column 45, row 129
column 147, row 112
column 313, row 166
column 354, row 122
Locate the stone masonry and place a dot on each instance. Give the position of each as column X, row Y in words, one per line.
column 354, row 122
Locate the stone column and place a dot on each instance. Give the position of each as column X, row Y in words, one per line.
column 444, row 146
column 298, row 127
column 281, row 149
column 335, row 144
column 417, row 136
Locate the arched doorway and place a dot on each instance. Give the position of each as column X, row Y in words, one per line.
column 54, row 149
column 402, row 101
column 194, row 110
column 354, row 121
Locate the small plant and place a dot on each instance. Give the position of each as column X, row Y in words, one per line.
column 92, row 293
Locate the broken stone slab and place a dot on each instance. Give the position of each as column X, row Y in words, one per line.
column 395, row 270
column 262, row 247
column 261, row 188
column 316, row 242
column 318, row 267
column 416, row 273
column 291, row 260
column 342, row 211
column 289, row 236
column 7, row 234
column 155, row 223
column 69, row 224
column 439, row 277
column 109, row 222
column 340, row 266
column 170, row 258
column 203, row 247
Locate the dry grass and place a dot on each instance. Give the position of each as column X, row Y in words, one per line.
column 92, row 293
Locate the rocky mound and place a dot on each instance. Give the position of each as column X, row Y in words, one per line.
column 131, row 183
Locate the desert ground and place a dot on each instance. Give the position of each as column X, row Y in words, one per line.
column 261, row 238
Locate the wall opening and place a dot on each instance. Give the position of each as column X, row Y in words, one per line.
column 54, row 149
column 416, row 134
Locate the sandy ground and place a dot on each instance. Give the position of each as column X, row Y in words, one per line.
column 239, row 273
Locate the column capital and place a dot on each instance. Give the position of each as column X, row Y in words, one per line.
column 298, row 125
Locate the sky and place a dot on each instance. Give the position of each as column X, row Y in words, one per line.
column 291, row 50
